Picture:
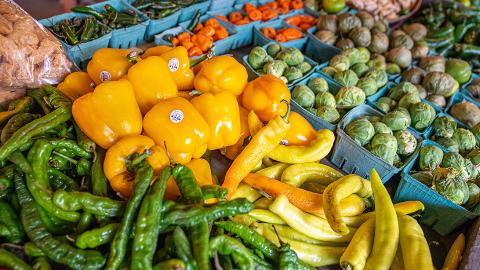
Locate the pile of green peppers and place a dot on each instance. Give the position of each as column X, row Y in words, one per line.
column 77, row 30
column 157, row 9
column 58, row 211
column 110, row 16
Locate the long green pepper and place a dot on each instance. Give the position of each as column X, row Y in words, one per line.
column 11, row 261
column 86, row 201
column 12, row 223
column 183, row 249
column 97, row 237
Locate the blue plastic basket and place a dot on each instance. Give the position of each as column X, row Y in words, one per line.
column 129, row 36
column 440, row 213
column 465, row 91
column 457, row 98
column 187, row 13
column 220, row 4
column 82, row 52
column 353, row 158
column 252, row 73
column 259, row 39
column 319, row 51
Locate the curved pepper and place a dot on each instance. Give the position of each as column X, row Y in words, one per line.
column 109, row 64
column 300, row 132
column 152, row 82
column 232, row 151
column 184, row 131
column 109, row 113
column 223, row 117
column 76, row 84
column 298, row 174
column 356, row 254
column 203, row 176
column 315, row 151
column 415, row 250
column 264, row 95
column 454, row 255
column 221, row 73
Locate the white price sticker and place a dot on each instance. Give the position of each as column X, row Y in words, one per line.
column 105, row 76
column 176, row 116
column 173, row 64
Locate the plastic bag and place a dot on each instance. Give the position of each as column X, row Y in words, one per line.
column 29, row 54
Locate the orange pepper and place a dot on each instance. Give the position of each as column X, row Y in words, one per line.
column 280, row 38
column 220, row 33
column 292, row 33
column 255, row 15
column 185, row 94
column 175, row 42
column 309, row 19
column 294, row 20
column 207, row 31
column 269, row 14
column 262, row 8
column 194, row 51
column 272, row 5
column 235, row 16
column 296, row 4
column 198, row 27
column 187, row 44
column 304, row 26
column 249, row 7
column 269, row 32
column 203, row 42
column 185, row 36
column 283, row 9
column 212, row 22
column 242, row 21
column 221, row 17
column 231, row 152
column 300, row 132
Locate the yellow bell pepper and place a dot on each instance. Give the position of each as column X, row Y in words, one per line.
column 152, row 82
column 178, row 125
column 223, row 117
column 231, row 152
column 109, row 113
column 178, row 63
column 264, row 95
column 115, row 168
column 221, row 73
column 109, row 64
column 300, row 132
column 203, row 176
column 76, row 84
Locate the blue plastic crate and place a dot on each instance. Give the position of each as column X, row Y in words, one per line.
column 244, row 33
column 82, row 52
column 353, row 158
column 252, row 73
column 220, row 4
column 319, row 51
column 129, row 36
column 259, row 39
column 457, row 98
column 187, row 13
column 440, row 213
column 465, row 91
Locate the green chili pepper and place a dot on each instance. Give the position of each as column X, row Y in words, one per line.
column 439, row 42
column 168, row 249
column 288, row 259
column 214, row 191
column 38, row 94
column 17, row 121
column 226, row 262
column 71, row 146
column 83, row 167
column 59, row 180
column 196, row 19
column 88, row 29
column 467, row 50
column 57, row 251
column 444, row 51
column 461, row 30
column 53, row 224
column 89, row 11
column 118, row 247
column 68, row 33
column 97, row 237
column 11, row 261
column 31, row 250
column 6, row 184
column 471, row 36
column 59, row 163
column 41, row 263
column 183, row 250
column 99, row 181
column 172, row 264
column 93, row 204
column 83, row 141
column 11, row 221
column 84, row 222
column 442, row 31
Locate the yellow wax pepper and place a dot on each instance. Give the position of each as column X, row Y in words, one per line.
column 109, row 64
column 76, row 84
column 178, row 63
column 232, row 151
column 264, row 95
column 109, row 113
column 222, row 115
column 152, row 82
column 202, row 172
column 178, row 125
column 221, row 73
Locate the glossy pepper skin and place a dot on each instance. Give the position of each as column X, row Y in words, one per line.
column 76, row 84
column 300, row 132
column 221, row 73
column 184, row 131
column 178, row 63
column 109, row 113
column 152, row 82
column 223, row 117
column 264, row 95
column 203, row 176
column 232, row 151
column 109, row 64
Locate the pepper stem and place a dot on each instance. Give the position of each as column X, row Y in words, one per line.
column 285, row 116
column 69, row 159
column 135, row 159
column 201, row 58
column 172, row 162
column 133, row 56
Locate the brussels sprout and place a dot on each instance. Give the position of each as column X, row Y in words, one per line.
column 384, row 146
column 455, row 160
column 448, row 183
column 424, row 177
column 406, row 142
column 430, row 157
column 318, row 85
column 413, row 75
column 378, row 62
column 257, row 57
column 401, row 89
column 292, row 73
column 474, row 156
column 444, row 126
column 401, row 40
column 465, row 139
column 360, row 130
column 273, row 49
column 393, row 69
column 380, row 77
column 422, row 115
column 340, row 62
column 380, row 25
column 303, row 96
column 459, row 69
column 419, row 50
column 346, row 78
column 325, row 99
column 373, row 118
column 416, row 31
column 476, row 132
column 329, row 71
column 437, row 100
column 368, row 85
column 385, row 104
column 347, row 22
column 327, row 22
column 397, row 119
column 432, row 63
column 360, row 69
column 349, row 97
column 471, row 170
column 473, row 195
column 408, row 99
column 400, row 56
column 392, row 103
column 397, row 161
column 421, row 91
column 344, row 43
column 380, row 127
column 379, row 42
column 304, row 67
column 353, row 55
column 449, row 144
column 364, row 55
column 291, row 56
column 360, row 36
column 466, row 112
column 326, row 37
column 329, row 114
column 366, row 18
column 275, row 67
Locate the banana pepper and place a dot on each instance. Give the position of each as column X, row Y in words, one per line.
column 298, row 174
column 264, row 96
column 109, row 64
column 219, row 74
column 231, row 152
column 109, row 113
column 183, row 130
column 223, row 117
column 76, row 84
column 152, row 82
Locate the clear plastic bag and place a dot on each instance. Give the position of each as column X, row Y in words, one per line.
column 29, row 54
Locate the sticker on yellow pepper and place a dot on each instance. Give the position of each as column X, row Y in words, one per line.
column 110, row 64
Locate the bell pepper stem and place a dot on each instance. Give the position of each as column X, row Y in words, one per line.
column 133, row 56
column 285, row 116
column 203, row 57
column 172, row 162
column 135, row 159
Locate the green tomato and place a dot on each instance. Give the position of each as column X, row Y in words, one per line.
column 333, row 6
column 459, row 69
